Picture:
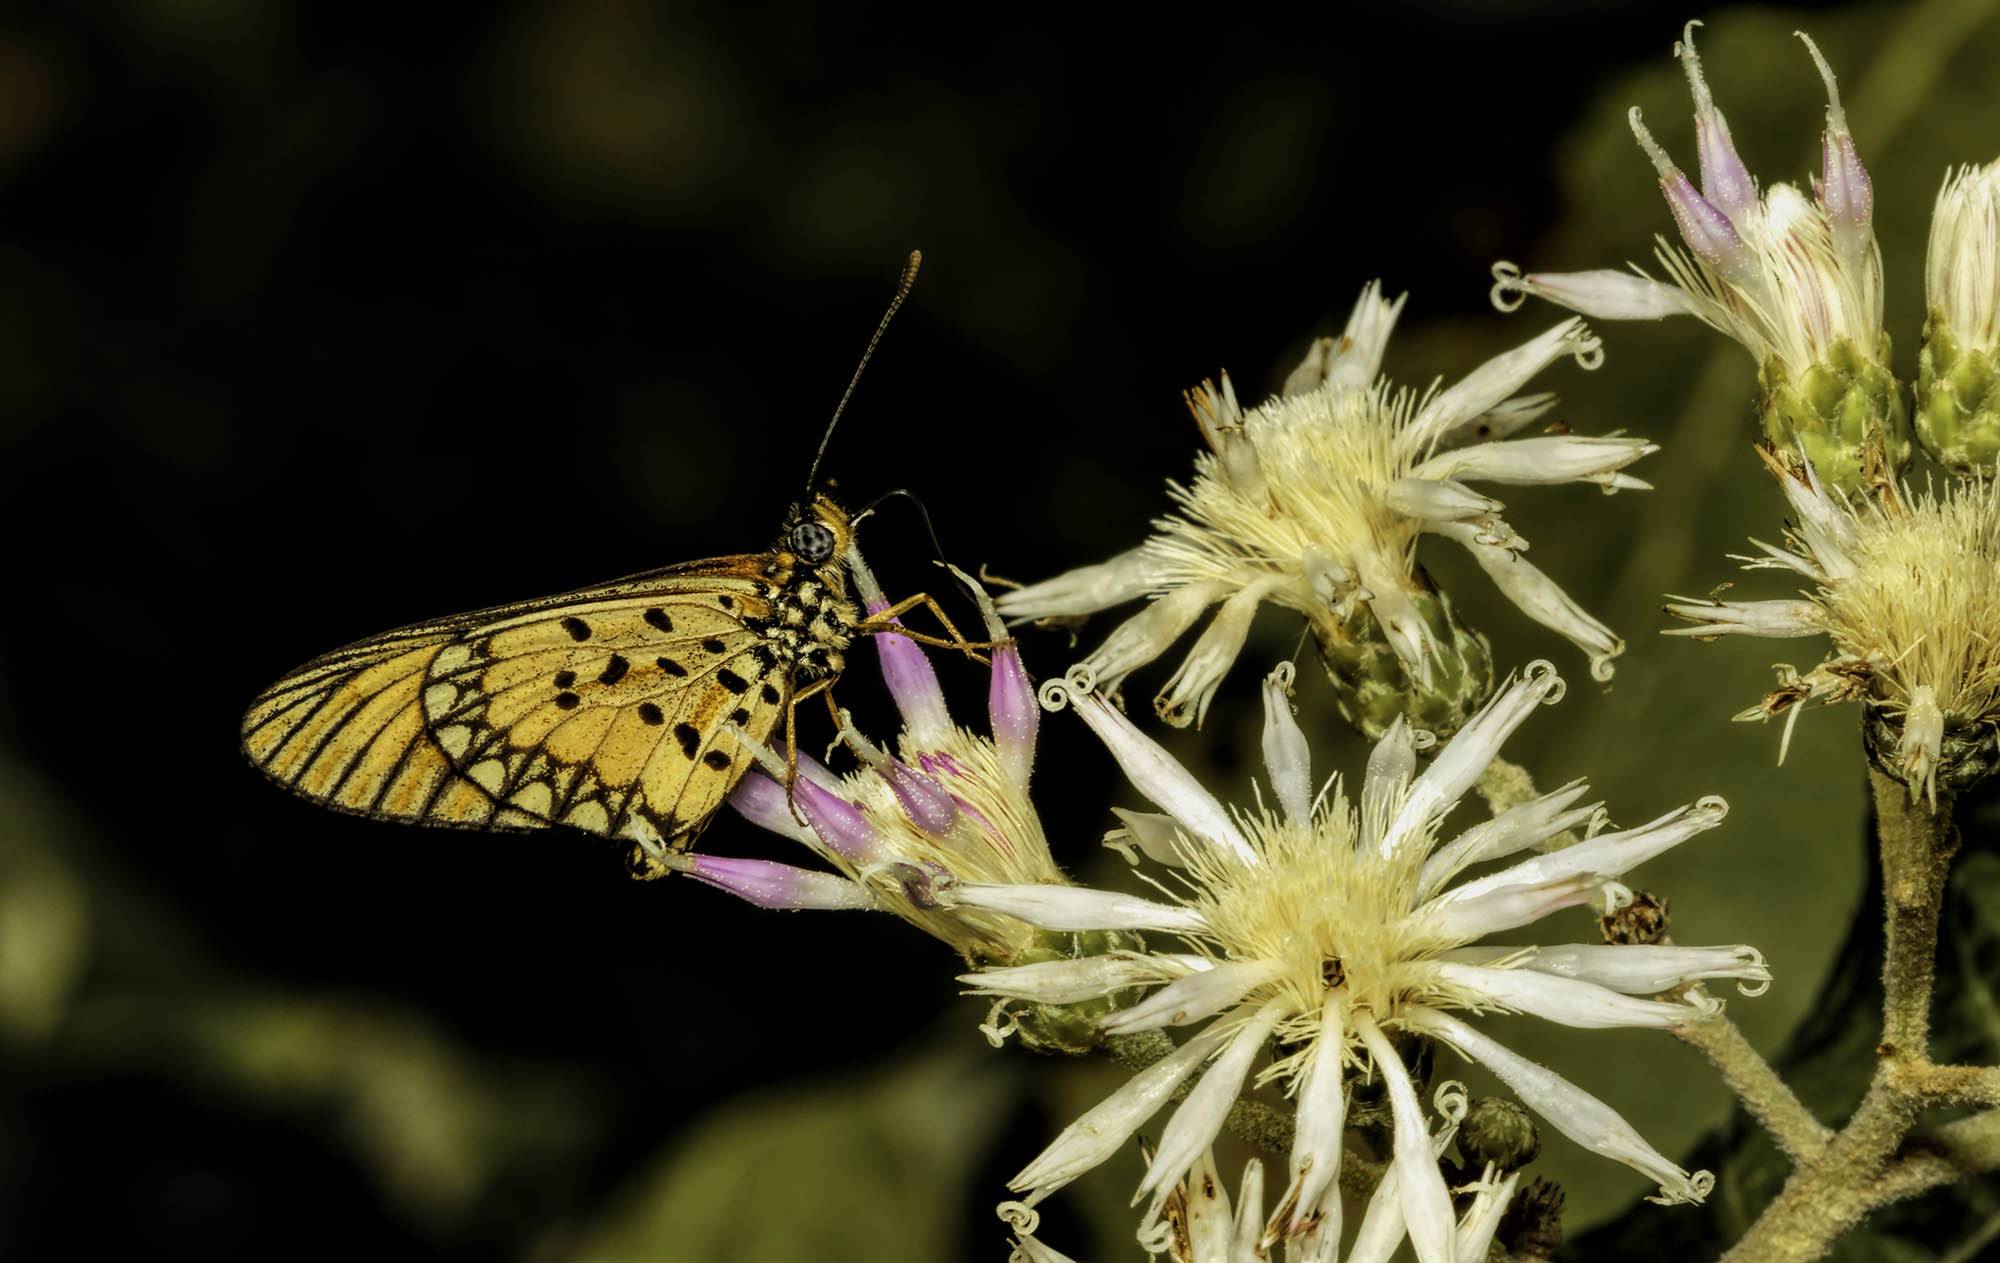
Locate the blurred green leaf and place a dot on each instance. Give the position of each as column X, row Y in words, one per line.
column 840, row 1171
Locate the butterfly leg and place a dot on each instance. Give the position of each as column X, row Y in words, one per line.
column 880, row 624
column 822, row 686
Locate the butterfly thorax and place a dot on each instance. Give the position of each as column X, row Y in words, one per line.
column 810, row 620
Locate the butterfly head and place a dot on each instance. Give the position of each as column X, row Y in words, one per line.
column 819, row 533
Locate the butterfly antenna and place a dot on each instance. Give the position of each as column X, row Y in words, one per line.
column 916, row 260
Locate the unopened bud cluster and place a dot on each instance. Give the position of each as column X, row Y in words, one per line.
column 1958, row 368
column 1796, row 278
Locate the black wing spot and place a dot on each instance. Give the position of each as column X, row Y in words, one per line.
column 565, row 678
column 614, row 670
column 726, row 601
column 713, row 645
column 568, row 701
column 671, row 667
column 769, row 694
column 716, row 759
column 690, row 739
column 731, row 681
column 657, row 617
column 740, row 717
column 651, row 714
column 576, row 627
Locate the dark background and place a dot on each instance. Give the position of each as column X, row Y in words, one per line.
column 316, row 319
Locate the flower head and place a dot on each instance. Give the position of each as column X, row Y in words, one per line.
column 1958, row 369
column 1338, row 927
column 945, row 805
column 1907, row 590
column 1796, row 279
column 1317, row 500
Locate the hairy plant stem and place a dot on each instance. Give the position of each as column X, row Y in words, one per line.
column 1767, row 1097
column 1873, row 1160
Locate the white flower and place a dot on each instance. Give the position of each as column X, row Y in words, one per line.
column 1795, row 279
column 947, row 805
column 1907, row 589
column 1337, row 928
column 1317, row 500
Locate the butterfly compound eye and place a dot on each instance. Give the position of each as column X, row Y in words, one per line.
column 813, row 542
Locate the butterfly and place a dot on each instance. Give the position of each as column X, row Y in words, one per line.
column 626, row 710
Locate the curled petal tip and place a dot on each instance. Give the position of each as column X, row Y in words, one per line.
column 1836, row 116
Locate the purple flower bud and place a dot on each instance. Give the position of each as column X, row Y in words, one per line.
column 913, row 683
column 1725, row 181
column 1016, row 716
column 924, row 801
column 770, row 885
column 1845, row 191
column 1706, row 230
column 839, row 823
column 761, row 800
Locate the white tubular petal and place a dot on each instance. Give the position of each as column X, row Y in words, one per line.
column 1569, row 1109
column 1073, row 907
column 1536, row 461
column 1310, row 374
column 1149, row 633
column 1249, row 1215
column 1319, row 1244
column 1195, row 1124
column 1194, row 997
column 1568, row 1001
column 1402, row 626
column 1392, row 765
column 1508, row 417
column 1028, row 1249
column 1466, row 755
column 1085, row 590
column 1774, row 619
column 1504, row 908
column 1357, row 358
column 1381, row 1229
column 1921, row 746
column 1482, row 1218
column 1603, row 294
column 1086, row 978
column 1606, row 855
column 1539, row 598
column 1824, row 521
column 1099, row 1133
column 1638, row 969
column 1437, row 497
column 1512, row 830
column 1188, row 693
column 1322, row 1118
column 1287, row 760
column 1164, row 782
column 1493, row 381
column 1156, row 835
column 1425, row 1201
column 1211, row 1229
